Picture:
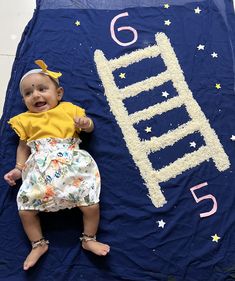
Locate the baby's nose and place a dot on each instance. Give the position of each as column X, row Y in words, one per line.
column 36, row 93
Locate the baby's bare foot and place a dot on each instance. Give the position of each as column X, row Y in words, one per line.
column 95, row 247
column 34, row 256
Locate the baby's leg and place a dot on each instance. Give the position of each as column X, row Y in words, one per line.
column 91, row 217
column 32, row 227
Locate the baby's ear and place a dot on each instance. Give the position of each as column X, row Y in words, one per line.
column 60, row 92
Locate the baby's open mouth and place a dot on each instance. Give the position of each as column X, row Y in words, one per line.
column 40, row 103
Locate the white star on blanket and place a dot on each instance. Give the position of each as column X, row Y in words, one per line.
column 161, row 223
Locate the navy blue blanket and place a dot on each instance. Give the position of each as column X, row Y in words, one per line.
column 157, row 77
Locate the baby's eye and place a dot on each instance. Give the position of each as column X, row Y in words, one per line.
column 42, row 89
column 27, row 94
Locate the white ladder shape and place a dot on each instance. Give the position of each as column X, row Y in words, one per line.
column 140, row 149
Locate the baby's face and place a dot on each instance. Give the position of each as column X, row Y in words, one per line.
column 40, row 92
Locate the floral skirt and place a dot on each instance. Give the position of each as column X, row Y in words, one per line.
column 58, row 175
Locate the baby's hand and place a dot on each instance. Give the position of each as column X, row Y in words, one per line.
column 12, row 176
column 83, row 123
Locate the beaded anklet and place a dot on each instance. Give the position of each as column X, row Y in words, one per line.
column 87, row 238
column 41, row 242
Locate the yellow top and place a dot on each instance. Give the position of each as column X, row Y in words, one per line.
column 57, row 122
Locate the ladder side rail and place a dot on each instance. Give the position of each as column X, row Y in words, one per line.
column 130, row 134
column 168, row 55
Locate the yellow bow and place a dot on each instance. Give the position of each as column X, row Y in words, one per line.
column 43, row 66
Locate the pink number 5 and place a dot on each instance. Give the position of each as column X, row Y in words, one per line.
column 122, row 28
column 209, row 196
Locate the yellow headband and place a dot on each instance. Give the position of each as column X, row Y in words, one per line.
column 43, row 66
column 43, row 69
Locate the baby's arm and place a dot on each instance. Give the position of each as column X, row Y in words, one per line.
column 22, row 154
column 84, row 123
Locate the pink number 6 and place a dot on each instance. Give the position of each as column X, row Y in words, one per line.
column 122, row 28
column 209, row 196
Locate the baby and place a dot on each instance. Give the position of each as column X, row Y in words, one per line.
column 56, row 173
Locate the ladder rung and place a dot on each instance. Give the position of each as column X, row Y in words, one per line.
column 188, row 161
column 134, row 57
column 171, row 137
column 145, row 85
column 156, row 110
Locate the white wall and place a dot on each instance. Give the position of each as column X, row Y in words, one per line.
column 14, row 16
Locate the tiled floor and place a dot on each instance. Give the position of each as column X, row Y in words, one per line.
column 14, row 15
